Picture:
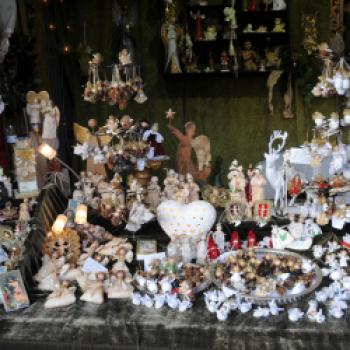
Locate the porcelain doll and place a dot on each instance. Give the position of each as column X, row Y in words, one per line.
column 193, row 189
column 64, row 295
column 124, row 57
column 153, row 193
column 94, row 291
column 120, row 285
column 249, row 57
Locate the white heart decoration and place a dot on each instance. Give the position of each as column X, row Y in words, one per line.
column 192, row 220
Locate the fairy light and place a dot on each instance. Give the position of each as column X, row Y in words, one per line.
column 52, row 26
column 66, row 49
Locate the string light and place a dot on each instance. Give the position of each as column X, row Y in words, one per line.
column 52, row 26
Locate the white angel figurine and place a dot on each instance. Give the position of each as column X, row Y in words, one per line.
column 171, row 183
column 138, row 216
column 51, row 115
column 62, row 296
column 34, row 112
column 94, row 292
column 219, row 237
column 153, row 193
column 120, row 285
column 193, row 189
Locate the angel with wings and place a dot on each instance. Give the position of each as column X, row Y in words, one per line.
column 201, row 146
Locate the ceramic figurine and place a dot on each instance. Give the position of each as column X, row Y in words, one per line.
column 33, row 110
column 201, row 253
column 249, row 57
column 64, row 295
column 51, row 120
column 237, row 182
column 261, row 29
column 171, row 183
column 193, row 189
column 219, row 237
column 94, row 292
column 24, row 211
column 172, row 62
column 248, row 28
column 211, row 33
column 224, row 62
column 182, row 193
column 279, row 5
column 124, row 57
column 198, row 17
column 120, row 285
column 279, row 26
column 138, row 216
column 155, row 139
column 153, row 193
column 257, row 183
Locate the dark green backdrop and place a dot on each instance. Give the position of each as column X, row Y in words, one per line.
column 233, row 113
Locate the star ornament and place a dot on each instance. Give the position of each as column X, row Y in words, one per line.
column 169, row 114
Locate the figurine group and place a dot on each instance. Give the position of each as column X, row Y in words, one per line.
column 63, row 272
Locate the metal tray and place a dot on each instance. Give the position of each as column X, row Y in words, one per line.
column 281, row 300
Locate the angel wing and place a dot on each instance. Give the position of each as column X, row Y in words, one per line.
column 81, row 133
column 201, row 146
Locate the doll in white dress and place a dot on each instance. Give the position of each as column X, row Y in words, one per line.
column 64, row 295
column 51, row 120
column 94, row 291
column 120, row 285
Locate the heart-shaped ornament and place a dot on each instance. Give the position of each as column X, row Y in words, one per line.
column 192, row 220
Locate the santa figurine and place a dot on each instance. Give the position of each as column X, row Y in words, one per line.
column 235, row 240
column 155, row 140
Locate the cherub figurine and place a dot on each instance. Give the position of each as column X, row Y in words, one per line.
column 64, row 295
column 279, row 27
column 153, row 193
column 249, row 57
column 171, row 183
column 120, row 285
column 94, row 292
column 193, row 189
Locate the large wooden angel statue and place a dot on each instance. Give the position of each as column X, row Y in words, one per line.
column 201, row 146
column 85, row 137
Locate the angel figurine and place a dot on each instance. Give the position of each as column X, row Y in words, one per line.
column 201, row 145
column 153, row 193
column 64, row 295
column 193, row 189
column 51, row 120
column 33, row 110
column 120, row 285
column 171, row 183
column 94, row 291
column 257, row 183
column 169, row 36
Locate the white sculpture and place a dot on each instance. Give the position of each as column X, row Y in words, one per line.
column 274, row 173
column 279, row 5
column 51, row 120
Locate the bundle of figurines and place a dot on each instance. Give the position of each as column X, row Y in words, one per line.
column 170, row 282
column 84, row 258
column 126, row 82
column 121, row 145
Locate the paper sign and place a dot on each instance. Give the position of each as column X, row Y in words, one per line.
column 92, row 265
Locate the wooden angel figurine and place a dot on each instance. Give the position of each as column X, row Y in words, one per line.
column 201, row 145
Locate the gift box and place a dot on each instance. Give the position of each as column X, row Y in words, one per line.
column 25, row 169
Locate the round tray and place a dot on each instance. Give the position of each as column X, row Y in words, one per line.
column 281, row 300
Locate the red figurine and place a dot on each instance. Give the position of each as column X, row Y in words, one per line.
column 235, row 241
column 198, row 17
column 251, row 239
column 253, row 5
column 213, row 251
